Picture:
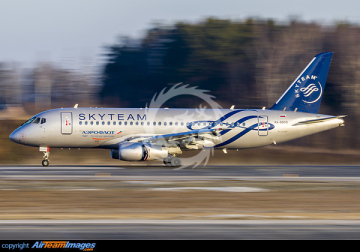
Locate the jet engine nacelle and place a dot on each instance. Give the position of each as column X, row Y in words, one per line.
column 139, row 152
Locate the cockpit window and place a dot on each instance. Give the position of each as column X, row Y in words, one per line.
column 30, row 120
column 36, row 120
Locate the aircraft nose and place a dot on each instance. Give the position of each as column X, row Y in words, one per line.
column 15, row 136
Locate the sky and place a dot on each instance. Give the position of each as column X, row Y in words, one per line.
column 73, row 33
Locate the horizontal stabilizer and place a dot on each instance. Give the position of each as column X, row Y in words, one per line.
column 319, row 120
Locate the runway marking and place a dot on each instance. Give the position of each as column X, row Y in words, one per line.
column 177, row 178
column 60, row 168
column 103, row 174
column 82, row 189
column 218, row 189
column 205, row 228
column 175, row 222
column 291, row 175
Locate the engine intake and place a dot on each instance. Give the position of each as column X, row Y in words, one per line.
column 139, row 152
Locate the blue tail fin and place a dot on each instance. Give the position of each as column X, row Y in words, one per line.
column 305, row 93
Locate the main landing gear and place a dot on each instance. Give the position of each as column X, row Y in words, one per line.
column 172, row 161
column 46, row 152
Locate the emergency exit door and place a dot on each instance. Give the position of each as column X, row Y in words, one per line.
column 66, row 123
column 263, row 125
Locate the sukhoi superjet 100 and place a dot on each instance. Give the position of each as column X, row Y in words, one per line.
column 145, row 134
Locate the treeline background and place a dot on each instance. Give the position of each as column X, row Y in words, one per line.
column 247, row 63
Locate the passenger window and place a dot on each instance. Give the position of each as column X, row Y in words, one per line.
column 80, row 123
column 165, row 123
column 125, row 123
column 97, row 122
column 108, row 123
column 103, row 123
column 148, row 123
column 114, row 123
column 91, row 123
column 131, row 123
column 119, row 122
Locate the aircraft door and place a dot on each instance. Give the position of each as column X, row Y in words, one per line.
column 66, row 123
column 263, row 125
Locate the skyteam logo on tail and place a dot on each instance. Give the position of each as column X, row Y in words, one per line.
column 309, row 93
column 304, row 94
column 312, row 93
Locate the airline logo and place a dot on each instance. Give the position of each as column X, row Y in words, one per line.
column 308, row 89
column 111, row 117
column 98, row 132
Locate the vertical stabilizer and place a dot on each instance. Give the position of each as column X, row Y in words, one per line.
column 305, row 93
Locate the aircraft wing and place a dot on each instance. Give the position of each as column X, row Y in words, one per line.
column 192, row 139
column 185, row 134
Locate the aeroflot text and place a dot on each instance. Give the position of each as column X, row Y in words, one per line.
column 111, row 117
column 95, row 132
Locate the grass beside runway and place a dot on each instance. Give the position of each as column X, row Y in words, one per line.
column 151, row 200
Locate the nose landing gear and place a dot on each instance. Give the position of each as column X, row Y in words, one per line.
column 46, row 152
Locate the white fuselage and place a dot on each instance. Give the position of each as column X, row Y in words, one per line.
column 107, row 127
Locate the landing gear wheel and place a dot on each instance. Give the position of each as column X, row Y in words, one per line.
column 167, row 161
column 46, row 152
column 45, row 162
column 175, row 162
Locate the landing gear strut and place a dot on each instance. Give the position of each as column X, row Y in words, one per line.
column 46, row 152
column 172, row 161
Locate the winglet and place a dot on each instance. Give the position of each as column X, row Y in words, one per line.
column 305, row 93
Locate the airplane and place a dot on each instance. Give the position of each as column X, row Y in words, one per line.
column 145, row 134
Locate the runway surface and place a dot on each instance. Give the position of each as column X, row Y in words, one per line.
column 195, row 229
column 97, row 229
column 283, row 173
